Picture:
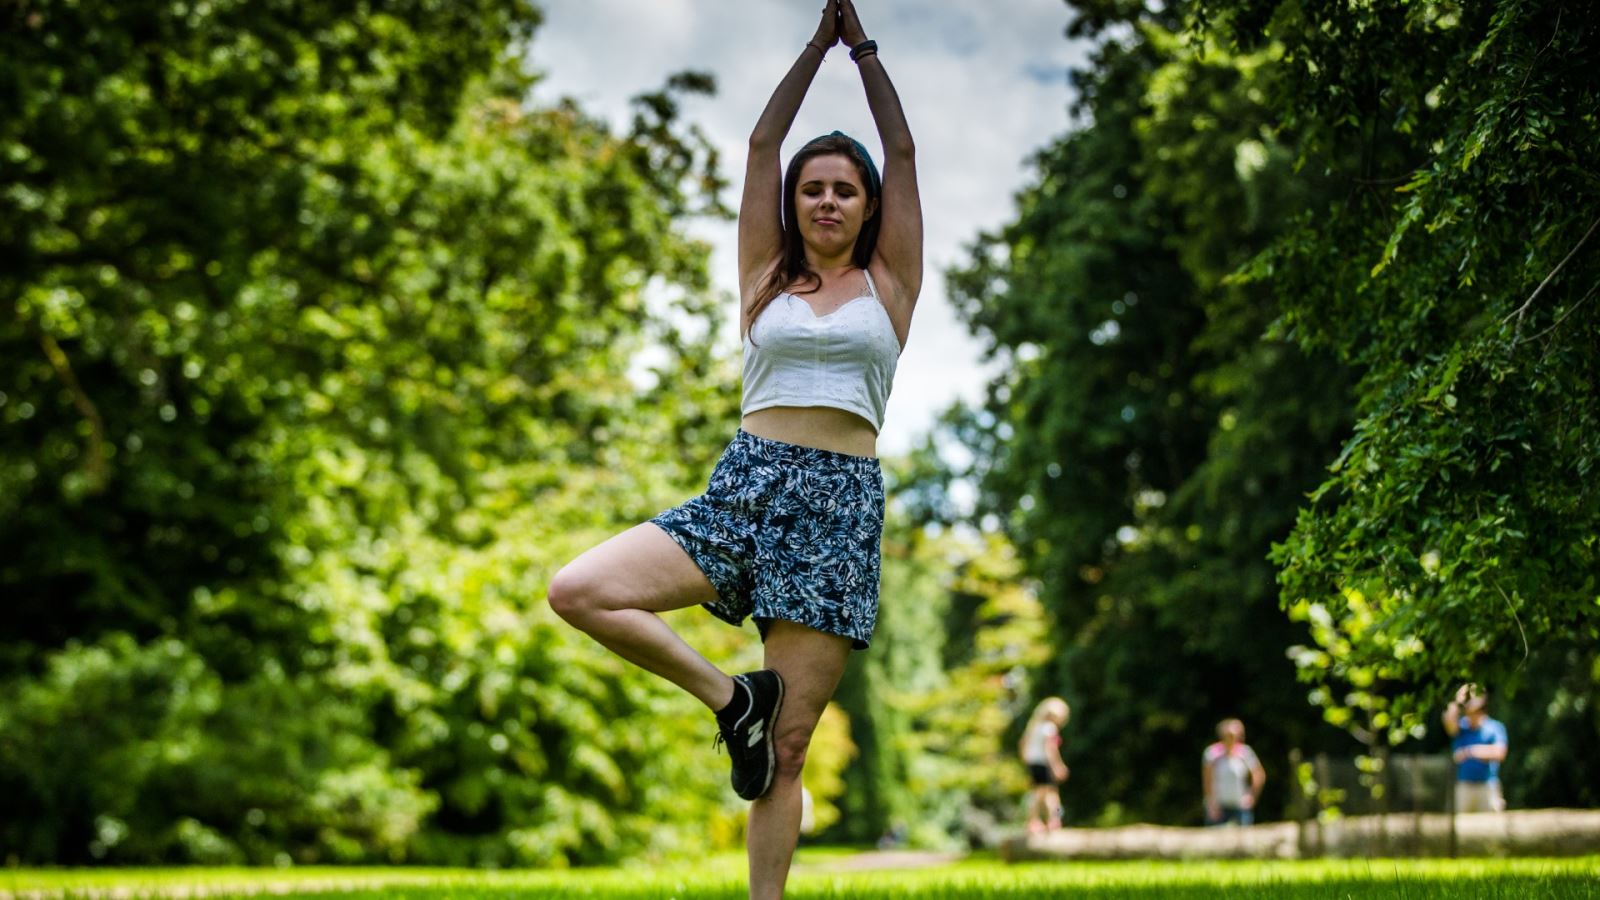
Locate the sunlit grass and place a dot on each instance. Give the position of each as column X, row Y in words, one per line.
column 820, row 874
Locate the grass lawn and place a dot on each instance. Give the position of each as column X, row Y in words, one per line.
column 825, row 874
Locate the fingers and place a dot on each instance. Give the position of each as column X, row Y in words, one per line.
column 828, row 30
column 849, row 23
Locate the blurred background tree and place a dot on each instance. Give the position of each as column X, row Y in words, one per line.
column 1456, row 536
column 1144, row 445
column 321, row 358
column 1289, row 240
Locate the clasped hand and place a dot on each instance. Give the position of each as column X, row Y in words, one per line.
column 839, row 24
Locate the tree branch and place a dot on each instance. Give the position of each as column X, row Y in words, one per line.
column 1557, row 322
column 1518, row 312
column 1515, row 618
column 95, row 462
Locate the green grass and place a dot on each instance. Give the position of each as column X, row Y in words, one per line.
column 817, row 876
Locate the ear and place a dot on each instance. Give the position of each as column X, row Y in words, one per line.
column 872, row 208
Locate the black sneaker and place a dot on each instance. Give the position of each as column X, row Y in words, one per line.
column 749, row 739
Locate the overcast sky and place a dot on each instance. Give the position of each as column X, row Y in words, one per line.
column 984, row 85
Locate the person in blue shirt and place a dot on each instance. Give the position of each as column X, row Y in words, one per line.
column 1478, row 745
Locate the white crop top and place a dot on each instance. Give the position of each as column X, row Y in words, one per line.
column 843, row 360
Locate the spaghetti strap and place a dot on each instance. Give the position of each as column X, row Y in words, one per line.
column 871, row 288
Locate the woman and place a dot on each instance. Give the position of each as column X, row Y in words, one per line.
column 788, row 531
column 1040, row 749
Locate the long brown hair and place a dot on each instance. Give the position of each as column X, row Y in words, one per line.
column 792, row 264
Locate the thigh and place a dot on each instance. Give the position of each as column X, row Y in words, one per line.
column 811, row 663
column 1471, row 797
column 641, row 568
column 818, row 558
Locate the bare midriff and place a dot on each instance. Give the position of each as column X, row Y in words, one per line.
column 822, row 427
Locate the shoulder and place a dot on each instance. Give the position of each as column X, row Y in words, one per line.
column 1213, row 752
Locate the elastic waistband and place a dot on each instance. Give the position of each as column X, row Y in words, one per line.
column 779, row 451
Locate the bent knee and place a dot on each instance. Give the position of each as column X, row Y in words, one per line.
column 790, row 753
column 573, row 595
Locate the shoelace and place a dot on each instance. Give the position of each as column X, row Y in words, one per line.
column 722, row 738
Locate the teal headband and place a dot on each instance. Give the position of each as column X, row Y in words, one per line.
column 874, row 179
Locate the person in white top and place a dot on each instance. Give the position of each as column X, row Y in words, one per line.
column 788, row 531
column 1040, row 749
column 1231, row 777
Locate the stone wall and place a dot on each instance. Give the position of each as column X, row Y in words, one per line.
column 1523, row 832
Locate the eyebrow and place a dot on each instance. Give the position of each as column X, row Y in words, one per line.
column 843, row 181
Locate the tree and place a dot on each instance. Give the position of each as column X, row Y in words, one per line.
column 1455, row 536
column 1145, row 446
column 320, row 360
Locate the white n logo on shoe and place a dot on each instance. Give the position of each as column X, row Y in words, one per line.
column 756, row 731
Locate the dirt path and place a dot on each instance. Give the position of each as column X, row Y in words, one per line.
column 884, row 859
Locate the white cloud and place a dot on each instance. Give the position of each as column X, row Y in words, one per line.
column 984, row 86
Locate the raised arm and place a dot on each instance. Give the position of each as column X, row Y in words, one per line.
column 1451, row 719
column 900, row 237
column 760, row 209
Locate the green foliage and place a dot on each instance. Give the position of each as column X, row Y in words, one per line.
column 1455, row 535
column 1553, row 724
column 320, row 359
column 1317, row 250
column 1144, row 445
column 963, row 741
column 87, row 738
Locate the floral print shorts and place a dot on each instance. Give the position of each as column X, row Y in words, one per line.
column 788, row 532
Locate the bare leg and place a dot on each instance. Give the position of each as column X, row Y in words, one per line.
column 613, row 593
column 1052, row 808
column 811, row 664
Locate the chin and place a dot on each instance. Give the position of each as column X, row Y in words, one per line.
column 830, row 248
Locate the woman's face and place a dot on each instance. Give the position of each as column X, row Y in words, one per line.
column 830, row 203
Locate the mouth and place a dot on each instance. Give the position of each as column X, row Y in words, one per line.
column 826, row 221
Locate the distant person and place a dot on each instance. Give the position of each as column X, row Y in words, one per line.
column 1478, row 745
column 1040, row 749
column 1231, row 776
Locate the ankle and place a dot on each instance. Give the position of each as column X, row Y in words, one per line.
column 732, row 703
